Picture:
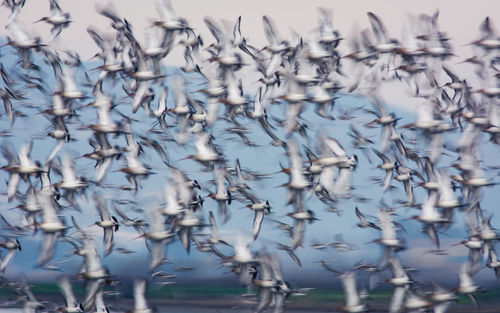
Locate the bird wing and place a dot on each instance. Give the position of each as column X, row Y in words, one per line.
column 108, row 240
column 139, row 296
column 165, row 10
column 441, row 307
column 101, row 206
column 378, row 28
column 47, row 249
column 361, row 217
column 298, row 234
column 257, row 222
column 398, row 296
column 215, row 30
column 270, row 31
column 382, row 156
column 157, row 254
column 351, row 294
column 92, row 288
column 6, row 260
column 334, row 146
column 265, row 298
column 69, row 297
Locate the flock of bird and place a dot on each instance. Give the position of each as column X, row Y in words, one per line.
column 145, row 111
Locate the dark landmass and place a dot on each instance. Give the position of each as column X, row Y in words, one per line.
column 186, row 298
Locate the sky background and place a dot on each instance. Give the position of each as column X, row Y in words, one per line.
column 459, row 19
